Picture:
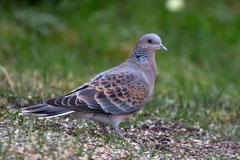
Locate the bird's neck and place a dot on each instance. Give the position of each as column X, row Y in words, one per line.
column 141, row 55
column 145, row 61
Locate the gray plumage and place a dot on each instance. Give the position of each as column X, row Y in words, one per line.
column 113, row 95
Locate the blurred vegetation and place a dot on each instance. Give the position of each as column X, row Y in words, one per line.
column 50, row 47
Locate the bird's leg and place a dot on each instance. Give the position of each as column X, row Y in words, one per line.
column 104, row 128
column 120, row 135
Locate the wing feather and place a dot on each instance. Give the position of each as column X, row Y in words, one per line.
column 120, row 93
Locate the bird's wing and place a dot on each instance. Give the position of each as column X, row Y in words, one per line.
column 120, row 93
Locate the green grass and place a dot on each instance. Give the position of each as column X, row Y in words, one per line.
column 49, row 48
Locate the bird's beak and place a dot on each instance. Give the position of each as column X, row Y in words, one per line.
column 163, row 47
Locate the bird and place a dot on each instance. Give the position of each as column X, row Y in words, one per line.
column 113, row 95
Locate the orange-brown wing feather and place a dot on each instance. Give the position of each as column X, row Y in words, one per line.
column 121, row 93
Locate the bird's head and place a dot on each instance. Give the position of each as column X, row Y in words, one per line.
column 150, row 43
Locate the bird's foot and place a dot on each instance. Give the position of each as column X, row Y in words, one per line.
column 120, row 134
column 104, row 128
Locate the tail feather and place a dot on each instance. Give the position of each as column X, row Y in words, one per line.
column 44, row 110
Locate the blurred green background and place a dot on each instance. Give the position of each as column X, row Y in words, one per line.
column 48, row 48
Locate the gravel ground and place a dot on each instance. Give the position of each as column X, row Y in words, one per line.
column 65, row 138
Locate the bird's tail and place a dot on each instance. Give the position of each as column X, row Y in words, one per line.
column 44, row 110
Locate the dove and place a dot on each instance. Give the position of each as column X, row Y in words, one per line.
column 113, row 95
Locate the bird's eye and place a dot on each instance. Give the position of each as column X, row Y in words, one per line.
column 149, row 41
